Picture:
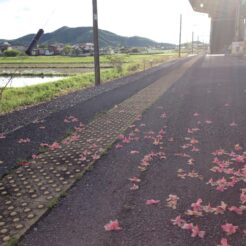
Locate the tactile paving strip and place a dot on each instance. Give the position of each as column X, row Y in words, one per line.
column 29, row 191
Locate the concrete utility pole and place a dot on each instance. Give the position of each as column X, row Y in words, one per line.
column 180, row 35
column 96, row 44
column 192, row 43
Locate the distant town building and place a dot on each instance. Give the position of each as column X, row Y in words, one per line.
column 53, row 49
column 5, row 46
column 20, row 48
column 59, row 49
column 107, row 51
column 56, row 49
column 88, row 47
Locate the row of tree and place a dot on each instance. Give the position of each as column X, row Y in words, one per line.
column 11, row 53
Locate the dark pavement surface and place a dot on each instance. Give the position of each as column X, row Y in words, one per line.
column 53, row 128
column 210, row 97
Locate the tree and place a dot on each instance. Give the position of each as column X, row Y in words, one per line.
column 67, row 50
column 116, row 61
column 11, row 53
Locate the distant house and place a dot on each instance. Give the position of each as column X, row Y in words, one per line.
column 19, row 48
column 88, row 47
column 35, row 52
column 124, row 50
column 51, row 50
column 42, row 52
column 76, row 50
column 56, row 49
column 107, row 51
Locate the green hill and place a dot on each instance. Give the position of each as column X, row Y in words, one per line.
column 67, row 35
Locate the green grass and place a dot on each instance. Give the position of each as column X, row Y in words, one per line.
column 67, row 59
column 15, row 98
column 11, row 242
column 45, row 59
column 18, row 97
column 53, row 202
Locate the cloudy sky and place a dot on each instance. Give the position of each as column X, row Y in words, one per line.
column 154, row 19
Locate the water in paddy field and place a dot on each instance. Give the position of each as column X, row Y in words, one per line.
column 26, row 81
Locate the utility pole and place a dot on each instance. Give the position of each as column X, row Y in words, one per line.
column 96, row 44
column 180, row 35
column 192, row 43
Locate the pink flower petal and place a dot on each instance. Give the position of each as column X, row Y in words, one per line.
column 236, row 210
column 229, row 228
column 54, row 146
column 163, row 116
column 113, row 225
column 24, row 140
column 134, row 187
column 119, row 146
column 135, row 179
column 243, row 196
column 178, row 221
column 197, row 233
column 70, row 119
column 95, row 157
column 197, row 205
column 187, row 226
column 34, row 157
column 223, row 242
column 233, row 124
column 152, row 202
column 126, row 140
column 208, row 122
column 172, row 201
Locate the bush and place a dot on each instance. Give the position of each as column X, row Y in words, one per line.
column 135, row 50
column 116, row 62
column 11, row 53
column 133, row 68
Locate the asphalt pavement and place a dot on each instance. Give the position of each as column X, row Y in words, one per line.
column 191, row 145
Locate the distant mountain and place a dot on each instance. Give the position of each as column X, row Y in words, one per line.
column 67, row 35
column 194, row 43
